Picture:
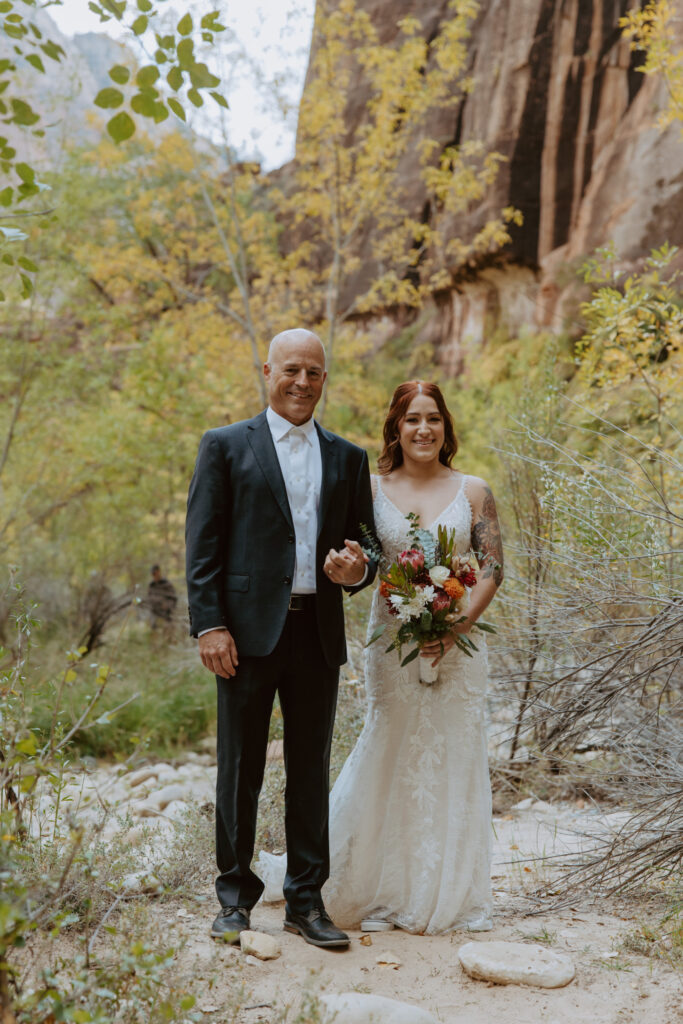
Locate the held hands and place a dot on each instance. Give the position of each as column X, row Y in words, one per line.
column 346, row 566
column 218, row 653
column 434, row 648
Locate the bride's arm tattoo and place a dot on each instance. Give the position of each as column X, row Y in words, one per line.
column 486, row 540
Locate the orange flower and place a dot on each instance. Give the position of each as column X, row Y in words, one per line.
column 454, row 588
column 385, row 588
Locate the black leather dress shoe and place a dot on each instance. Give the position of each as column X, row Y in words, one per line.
column 317, row 928
column 230, row 922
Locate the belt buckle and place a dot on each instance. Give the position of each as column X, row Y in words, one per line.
column 294, row 605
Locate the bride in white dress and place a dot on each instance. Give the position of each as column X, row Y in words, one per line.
column 410, row 813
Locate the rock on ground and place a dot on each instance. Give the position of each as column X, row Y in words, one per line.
column 358, row 1008
column 516, row 963
column 265, row 947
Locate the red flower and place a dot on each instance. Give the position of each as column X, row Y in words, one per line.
column 413, row 559
column 469, row 578
column 441, row 600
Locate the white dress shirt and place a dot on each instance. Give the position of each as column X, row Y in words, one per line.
column 298, row 452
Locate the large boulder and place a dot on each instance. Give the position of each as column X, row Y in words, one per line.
column 516, row 963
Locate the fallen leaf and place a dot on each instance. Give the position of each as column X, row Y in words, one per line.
column 366, row 940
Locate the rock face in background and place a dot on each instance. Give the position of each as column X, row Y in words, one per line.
column 558, row 94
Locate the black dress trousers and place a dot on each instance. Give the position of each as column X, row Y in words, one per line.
column 307, row 686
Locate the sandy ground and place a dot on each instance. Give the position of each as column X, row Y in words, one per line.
column 612, row 986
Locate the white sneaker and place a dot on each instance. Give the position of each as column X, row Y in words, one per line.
column 376, row 924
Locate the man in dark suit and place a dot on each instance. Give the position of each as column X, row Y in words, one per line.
column 273, row 524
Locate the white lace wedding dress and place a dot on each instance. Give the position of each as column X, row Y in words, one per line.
column 410, row 813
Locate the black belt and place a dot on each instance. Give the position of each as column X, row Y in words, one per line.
column 299, row 602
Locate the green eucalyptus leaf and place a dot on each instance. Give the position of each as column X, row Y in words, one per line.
column 140, row 24
column 220, row 100
column 6, row 196
column 26, row 264
column 376, row 634
column 195, row 97
column 410, row 657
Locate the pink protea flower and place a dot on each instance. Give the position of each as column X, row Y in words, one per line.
column 440, row 601
column 413, row 559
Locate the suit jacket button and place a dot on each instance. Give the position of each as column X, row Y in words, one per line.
column 287, row 579
column 290, row 539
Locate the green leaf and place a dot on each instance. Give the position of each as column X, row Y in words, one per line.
column 145, row 102
column 195, row 97
column 27, row 264
column 36, row 62
column 175, row 77
column 202, row 78
column 26, row 286
column 23, row 112
column 144, row 5
column 410, row 657
column 25, row 172
column 8, row 260
column 27, row 746
column 376, row 634
column 2, row 295
column 185, row 25
column 147, row 76
column 52, row 50
column 140, row 25
column 119, row 74
column 486, row 627
column 160, row 57
column 220, row 100
column 185, row 54
column 177, row 108
column 109, row 98
column 121, row 127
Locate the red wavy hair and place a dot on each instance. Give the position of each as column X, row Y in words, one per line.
column 392, row 454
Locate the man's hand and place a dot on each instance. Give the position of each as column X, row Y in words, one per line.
column 218, row 653
column 346, row 566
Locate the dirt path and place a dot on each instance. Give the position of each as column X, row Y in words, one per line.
column 612, row 985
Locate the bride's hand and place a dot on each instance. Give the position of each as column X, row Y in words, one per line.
column 444, row 644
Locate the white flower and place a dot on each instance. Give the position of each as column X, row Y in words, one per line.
column 414, row 606
column 439, row 574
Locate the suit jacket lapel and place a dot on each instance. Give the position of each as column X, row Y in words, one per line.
column 328, row 455
column 261, row 441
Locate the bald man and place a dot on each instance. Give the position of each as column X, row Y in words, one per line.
column 274, row 520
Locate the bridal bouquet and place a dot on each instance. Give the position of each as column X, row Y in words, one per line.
column 426, row 589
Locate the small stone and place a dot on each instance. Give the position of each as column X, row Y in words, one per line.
column 390, row 959
column 516, row 963
column 263, row 946
column 252, row 961
column 359, row 1008
column 523, row 805
column 365, row 940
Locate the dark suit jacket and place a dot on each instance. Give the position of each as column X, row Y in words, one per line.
column 240, row 536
